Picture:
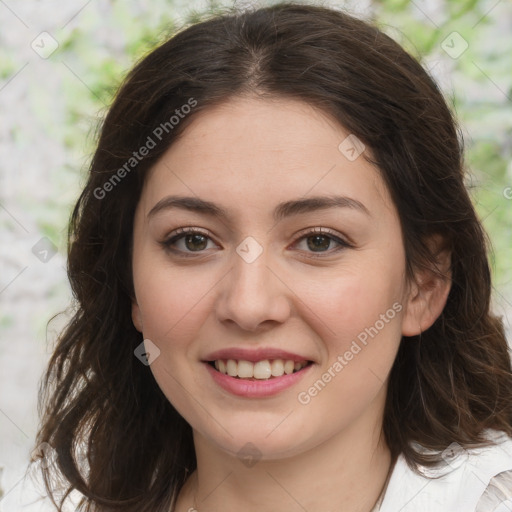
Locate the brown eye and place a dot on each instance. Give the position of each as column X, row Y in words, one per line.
column 186, row 241
column 321, row 242
column 196, row 242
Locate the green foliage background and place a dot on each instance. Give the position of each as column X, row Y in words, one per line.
column 481, row 96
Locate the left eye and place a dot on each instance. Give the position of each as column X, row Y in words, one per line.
column 319, row 241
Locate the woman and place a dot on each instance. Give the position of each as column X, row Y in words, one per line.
column 282, row 286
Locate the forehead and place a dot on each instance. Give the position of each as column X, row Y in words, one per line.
column 253, row 151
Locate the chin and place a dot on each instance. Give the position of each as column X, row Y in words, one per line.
column 257, row 443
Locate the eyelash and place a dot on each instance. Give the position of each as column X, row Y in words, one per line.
column 182, row 232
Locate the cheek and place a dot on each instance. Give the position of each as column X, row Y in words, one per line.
column 175, row 303
column 359, row 323
column 171, row 299
column 357, row 315
column 346, row 304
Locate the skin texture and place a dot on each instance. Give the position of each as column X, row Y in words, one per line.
column 247, row 155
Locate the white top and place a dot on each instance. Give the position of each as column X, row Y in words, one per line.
column 472, row 480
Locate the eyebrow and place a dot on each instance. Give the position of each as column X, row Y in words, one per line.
column 282, row 210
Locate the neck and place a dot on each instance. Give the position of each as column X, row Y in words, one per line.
column 347, row 472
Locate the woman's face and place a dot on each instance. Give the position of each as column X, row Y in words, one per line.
column 257, row 180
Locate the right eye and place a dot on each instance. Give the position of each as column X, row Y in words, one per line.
column 187, row 241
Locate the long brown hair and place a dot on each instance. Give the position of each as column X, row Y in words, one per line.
column 447, row 385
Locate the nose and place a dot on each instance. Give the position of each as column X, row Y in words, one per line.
column 253, row 295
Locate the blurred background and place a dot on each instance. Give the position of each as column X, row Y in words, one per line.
column 60, row 64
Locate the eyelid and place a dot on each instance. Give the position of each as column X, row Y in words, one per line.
column 188, row 230
column 322, row 231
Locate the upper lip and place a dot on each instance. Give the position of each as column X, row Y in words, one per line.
column 254, row 355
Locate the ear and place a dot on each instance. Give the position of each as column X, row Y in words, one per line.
column 428, row 291
column 136, row 316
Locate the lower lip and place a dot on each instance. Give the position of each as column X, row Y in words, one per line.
column 256, row 388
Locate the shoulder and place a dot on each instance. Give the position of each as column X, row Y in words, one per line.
column 498, row 494
column 468, row 481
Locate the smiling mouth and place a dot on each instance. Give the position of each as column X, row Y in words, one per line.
column 261, row 370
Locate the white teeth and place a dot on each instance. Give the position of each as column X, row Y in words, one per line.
column 277, row 368
column 245, row 369
column 232, row 368
column 261, row 370
column 288, row 367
